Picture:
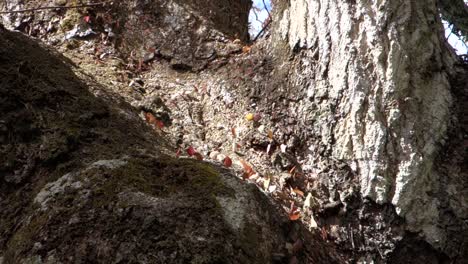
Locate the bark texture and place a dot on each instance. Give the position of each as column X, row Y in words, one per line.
column 376, row 79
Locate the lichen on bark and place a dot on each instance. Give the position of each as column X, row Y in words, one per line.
column 380, row 75
column 389, row 111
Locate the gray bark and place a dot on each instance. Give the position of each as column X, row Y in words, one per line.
column 379, row 74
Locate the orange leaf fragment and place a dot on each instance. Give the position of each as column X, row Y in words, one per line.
column 151, row 119
column 227, row 162
column 270, row 134
column 292, row 170
column 298, row 192
column 294, row 214
column 198, row 156
column 246, row 49
column 248, row 171
column 233, row 131
column 245, row 165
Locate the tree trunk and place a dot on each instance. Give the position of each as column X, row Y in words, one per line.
column 378, row 80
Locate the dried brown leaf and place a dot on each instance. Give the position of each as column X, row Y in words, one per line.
column 233, row 131
column 291, row 171
column 270, row 134
column 298, row 192
column 248, row 171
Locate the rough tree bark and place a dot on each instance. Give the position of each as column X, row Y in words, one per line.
column 382, row 79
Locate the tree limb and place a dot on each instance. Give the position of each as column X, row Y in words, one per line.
column 265, row 6
column 261, row 31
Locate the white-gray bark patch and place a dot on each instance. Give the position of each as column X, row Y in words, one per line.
column 390, row 104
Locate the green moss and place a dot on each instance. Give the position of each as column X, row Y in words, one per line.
column 72, row 18
column 72, row 44
column 207, row 178
column 251, row 239
column 60, row 2
column 24, row 238
column 166, row 176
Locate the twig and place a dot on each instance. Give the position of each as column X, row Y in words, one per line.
column 266, row 25
column 50, row 7
column 449, row 26
column 268, row 20
column 261, row 31
column 265, row 6
column 256, row 15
